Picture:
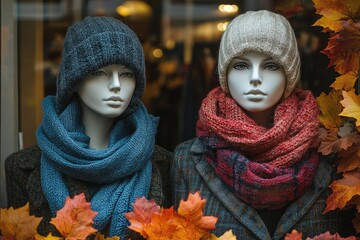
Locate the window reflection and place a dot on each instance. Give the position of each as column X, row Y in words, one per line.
column 180, row 40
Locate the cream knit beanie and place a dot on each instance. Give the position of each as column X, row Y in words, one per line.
column 264, row 32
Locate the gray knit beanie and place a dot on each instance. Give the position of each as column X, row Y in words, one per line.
column 93, row 43
column 264, row 32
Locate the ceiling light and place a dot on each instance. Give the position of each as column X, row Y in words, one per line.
column 134, row 8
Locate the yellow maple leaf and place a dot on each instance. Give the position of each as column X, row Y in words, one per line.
column 18, row 224
column 99, row 236
column 75, row 219
column 330, row 108
column 48, row 237
column 345, row 82
column 226, row 236
column 351, row 103
column 343, row 191
column 332, row 11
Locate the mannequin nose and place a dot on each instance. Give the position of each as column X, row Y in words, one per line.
column 255, row 77
column 115, row 83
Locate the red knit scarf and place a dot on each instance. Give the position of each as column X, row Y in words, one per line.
column 266, row 168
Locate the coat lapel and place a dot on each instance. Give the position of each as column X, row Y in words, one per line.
column 246, row 214
column 242, row 212
column 300, row 207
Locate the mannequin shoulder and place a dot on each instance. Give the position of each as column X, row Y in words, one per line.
column 188, row 153
column 161, row 158
column 26, row 159
column 192, row 147
column 160, row 152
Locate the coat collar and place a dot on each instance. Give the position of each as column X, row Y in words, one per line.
column 248, row 215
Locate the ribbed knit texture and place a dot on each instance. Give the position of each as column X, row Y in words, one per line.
column 93, row 43
column 266, row 168
column 264, row 32
column 119, row 173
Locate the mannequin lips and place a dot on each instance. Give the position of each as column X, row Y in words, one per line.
column 255, row 92
column 115, row 99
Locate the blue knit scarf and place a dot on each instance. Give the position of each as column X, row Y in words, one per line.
column 123, row 170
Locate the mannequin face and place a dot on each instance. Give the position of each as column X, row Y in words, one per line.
column 108, row 90
column 256, row 81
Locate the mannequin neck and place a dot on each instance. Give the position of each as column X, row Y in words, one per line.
column 97, row 127
column 263, row 118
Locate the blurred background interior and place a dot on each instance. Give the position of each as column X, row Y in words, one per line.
column 180, row 40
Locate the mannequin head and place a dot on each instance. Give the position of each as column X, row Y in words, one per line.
column 263, row 32
column 108, row 90
column 258, row 52
column 255, row 81
column 93, row 44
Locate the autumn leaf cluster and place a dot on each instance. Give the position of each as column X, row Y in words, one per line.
column 75, row 221
column 340, row 108
column 295, row 235
column 188, row 222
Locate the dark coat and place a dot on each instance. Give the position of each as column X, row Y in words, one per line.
column 190, row 173
column 22, row 170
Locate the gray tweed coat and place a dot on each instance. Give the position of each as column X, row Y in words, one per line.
column 190, row 173
column 22, row 170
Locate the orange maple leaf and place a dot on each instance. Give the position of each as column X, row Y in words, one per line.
column 351, row 103
column 191, row 218
column 153, row 222
column 75, row 219
column 162, row 225
column 294, row 235
column 345, row 82
column 349, row 159
column 328, row 236
column 18, row 224
column 226, row 236
column 343, row 191
column 330, row 108
column 140, row 217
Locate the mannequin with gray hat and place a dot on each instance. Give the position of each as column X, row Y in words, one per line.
column 96, row 135
column 255, row 157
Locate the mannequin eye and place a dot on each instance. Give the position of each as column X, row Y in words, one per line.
column 241, row 66
column 272, row 67
column 99, row 73
column 127, row 74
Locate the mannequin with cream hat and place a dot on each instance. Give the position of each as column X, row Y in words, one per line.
column 255, row 157
column 96, row 136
